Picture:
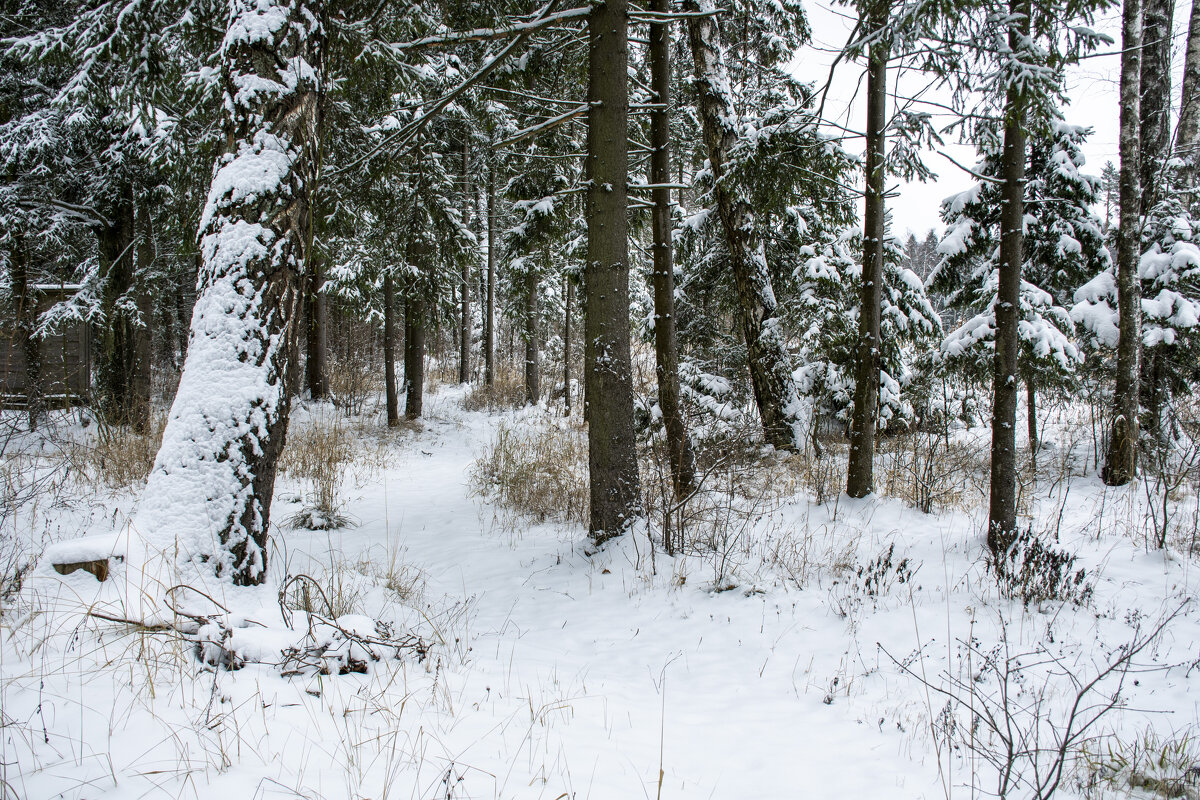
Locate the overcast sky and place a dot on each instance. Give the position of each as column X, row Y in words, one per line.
column 1092, row 88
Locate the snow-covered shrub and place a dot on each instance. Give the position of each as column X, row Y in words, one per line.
column 829, row 281
column 930, row 471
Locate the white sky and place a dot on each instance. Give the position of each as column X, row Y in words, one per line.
column 1092, row 89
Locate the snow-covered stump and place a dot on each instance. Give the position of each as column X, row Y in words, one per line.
column 203, row 517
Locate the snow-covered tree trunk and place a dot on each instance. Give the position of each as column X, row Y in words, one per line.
column 316, row 362
column 208, row 497
column 1120, row 463
column 23, row 300
column 414, row 354
column 666, row 351
column 770, row 369
column 608, row 372
column 860, row 477
column 568, row 301
column 1002, row 509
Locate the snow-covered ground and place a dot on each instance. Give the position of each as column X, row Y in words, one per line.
column 555, row 673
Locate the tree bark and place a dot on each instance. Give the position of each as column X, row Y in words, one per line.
column 116, row 338
column 533, row 388
column 568, row 300
column 1002, row 511
column 143, row 332
column 24, row 308
column 1120, row 462
column 464, row 330
column 1031, row 422
column 489, row 315
column 414, row 354
column 612, row 464
column 860, row 471
column 770, row 372
column 316, row 335
column 1187, row 135
column 392, row 397
column 666, row 348
column 1154, row 112
column 207, row 500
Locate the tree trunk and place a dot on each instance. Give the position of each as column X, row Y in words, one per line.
column 208, row 498
column 489, row 316
column 24, row 308
column 1120, row 463
column 389, row 350
column 568, row 300
column 143, row 332
column 1002, row 511
column 860, row 472
column 1154, row 112
column 414, row 354
column 1187, row 135
column 316, row 336
column 464, row 330
column 1031, row 423
column 612, row 464
column 532, row 367
column 666, row 350
column 770, row 371
column 115, row 341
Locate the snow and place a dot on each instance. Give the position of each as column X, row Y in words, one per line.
column 556, row 672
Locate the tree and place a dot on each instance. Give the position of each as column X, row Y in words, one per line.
column 1187, row 133
column 860, row 469
column 666, row 350
column 774, row 387
column 1120, row 462
column 827, row 313
column 208, row 496
column 1062, row 249
column 612, row 463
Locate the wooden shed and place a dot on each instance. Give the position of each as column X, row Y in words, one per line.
column 66, row 356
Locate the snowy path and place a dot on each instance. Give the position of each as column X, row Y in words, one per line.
column 604, row 663
column 557, row 675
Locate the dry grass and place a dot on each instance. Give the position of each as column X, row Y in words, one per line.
column 930, row 472
column 537, row 472
column 507, row 391
column 323, row 451
column 353, row 380
column 117, row 457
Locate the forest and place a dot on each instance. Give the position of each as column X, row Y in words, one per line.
column 593, row 399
